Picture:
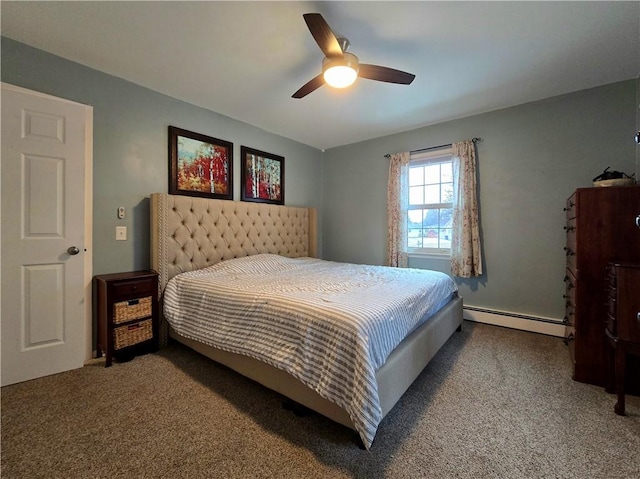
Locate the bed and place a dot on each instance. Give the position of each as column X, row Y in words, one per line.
column 190, row 234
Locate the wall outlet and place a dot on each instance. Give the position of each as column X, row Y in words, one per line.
column 121, row 233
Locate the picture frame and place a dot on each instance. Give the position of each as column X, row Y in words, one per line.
column 200, row 165
column 262, row 176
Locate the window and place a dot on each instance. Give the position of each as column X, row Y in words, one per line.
column 430, row 210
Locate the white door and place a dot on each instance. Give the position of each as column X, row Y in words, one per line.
column 44, row 301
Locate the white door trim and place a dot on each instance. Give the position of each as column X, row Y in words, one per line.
column 88, row 211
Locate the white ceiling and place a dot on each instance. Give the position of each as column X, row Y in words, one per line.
column 245, row 59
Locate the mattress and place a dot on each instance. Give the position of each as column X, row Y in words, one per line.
column 331, row 325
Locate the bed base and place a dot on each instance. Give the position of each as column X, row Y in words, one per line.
column 402, row 367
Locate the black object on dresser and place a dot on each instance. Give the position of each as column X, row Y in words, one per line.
column 601, row 227
column 623, row 325
column 127, row 307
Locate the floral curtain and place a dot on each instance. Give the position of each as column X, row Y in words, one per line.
column 397, row 209
column 466, row 260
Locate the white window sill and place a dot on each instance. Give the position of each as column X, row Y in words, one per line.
column 441, row 256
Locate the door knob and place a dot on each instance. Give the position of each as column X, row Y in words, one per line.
column 638, row 221
column 73, row 250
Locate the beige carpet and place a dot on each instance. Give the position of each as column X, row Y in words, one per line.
column 494, row 403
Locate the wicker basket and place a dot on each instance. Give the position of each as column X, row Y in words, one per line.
column 132, row 334
column 130, row 310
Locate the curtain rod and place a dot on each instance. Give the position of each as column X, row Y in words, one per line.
column 474, row 140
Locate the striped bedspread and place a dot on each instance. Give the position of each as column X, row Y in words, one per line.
column 330, row 325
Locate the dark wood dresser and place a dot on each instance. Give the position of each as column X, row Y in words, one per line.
column 127, row 307
column 600, row 228
column 623, row 327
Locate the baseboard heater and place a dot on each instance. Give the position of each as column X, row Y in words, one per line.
column 535, row 324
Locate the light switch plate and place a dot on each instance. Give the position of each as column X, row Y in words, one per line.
column 121, row 212
column 121, row 233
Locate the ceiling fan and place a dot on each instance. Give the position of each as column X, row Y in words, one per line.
column 339, row 67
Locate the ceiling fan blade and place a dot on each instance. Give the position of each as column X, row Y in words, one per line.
column 323, row 35
column 309, row 87
column 389, row 75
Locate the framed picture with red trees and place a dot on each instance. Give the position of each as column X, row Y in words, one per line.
column 262, row 176
column 200, row 165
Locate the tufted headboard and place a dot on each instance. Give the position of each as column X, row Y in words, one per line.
column 190, row 233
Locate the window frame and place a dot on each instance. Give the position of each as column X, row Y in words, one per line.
column 440, row 155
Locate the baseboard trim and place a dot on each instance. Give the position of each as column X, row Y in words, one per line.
column 534, row 324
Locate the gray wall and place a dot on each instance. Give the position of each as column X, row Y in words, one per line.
column 531, row 158
column 130, row 147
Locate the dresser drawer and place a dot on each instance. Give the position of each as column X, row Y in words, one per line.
column 134, row 288
column 623, row 302
column 570, row 229
column 129, row 335
column 570, row 297
column 612, row 300
column 628, row 319
column 570, row 208
column 132, row 309
column 569, row 333
column 570, row 248
column 612, row 327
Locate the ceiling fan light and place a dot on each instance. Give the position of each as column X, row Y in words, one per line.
column 340, row 72
column 340, row 76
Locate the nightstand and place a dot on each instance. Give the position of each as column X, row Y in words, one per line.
column 127, row 308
